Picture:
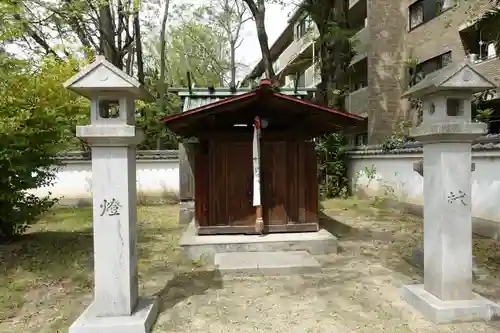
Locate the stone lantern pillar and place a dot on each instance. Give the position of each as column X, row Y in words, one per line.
column 447, row 132
column 113, row 137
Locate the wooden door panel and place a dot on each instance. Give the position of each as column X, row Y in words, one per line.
column 230, row 177
column 201, row 184
column 275, row 182
column 217, row 197
column 292, row 171
column 239, row 184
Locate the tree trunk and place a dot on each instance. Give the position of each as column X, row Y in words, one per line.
column 138, row 48
column 107, row 35
column 232, row 63
column 163, row 59
column 258, row 11
column 335, row 50
column 325, row 88
column 339, row 58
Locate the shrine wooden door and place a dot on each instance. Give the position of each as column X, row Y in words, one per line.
column 224, row 187
column 230, row 206
column 274, row 183
column 289, row 186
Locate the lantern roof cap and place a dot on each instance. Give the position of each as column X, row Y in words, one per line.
column 102, row 77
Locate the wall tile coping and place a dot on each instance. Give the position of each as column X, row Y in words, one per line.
column 141, row 155
column 487, row 142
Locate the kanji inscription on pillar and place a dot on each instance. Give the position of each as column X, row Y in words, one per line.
column 460, row 195
column 110, row 207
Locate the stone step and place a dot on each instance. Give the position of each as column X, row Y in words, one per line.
column 266, row 263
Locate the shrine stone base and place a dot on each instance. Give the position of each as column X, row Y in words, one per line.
column 141, row 321
column 446, row 312
column 207, row 246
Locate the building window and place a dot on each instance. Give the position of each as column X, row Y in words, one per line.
column 479, row 41
column 361, row 139
column 423, row 11
column 418, row 73
column 416, row 14
column 303, row 26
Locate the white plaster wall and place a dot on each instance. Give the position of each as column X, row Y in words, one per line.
column 74, row 180
column 396, row 171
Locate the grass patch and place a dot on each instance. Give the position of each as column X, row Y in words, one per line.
column 46, row 275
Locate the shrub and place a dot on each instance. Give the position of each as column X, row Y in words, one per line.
column 38, row 121
column 332, row 166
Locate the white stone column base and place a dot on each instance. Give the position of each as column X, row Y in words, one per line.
column 446, row 312
column 141, row 321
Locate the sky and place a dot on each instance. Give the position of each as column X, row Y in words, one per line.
column 249, row 52
column 276, row 21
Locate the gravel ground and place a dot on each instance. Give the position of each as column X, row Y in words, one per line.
column 358, row 291
column 46, row 279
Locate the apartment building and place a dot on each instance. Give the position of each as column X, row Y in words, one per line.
column 397, row 43
column 293, row 54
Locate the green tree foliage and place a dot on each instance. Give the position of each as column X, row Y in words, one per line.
column 156, row 136
column 335, row 47
column 193, row 45
column 332, row 162
column 229, row 17
column 335, row 54
column 38, row 121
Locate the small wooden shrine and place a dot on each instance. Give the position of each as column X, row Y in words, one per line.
column 235, row 189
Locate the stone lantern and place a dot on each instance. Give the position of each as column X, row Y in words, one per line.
column 113, row 137
column 447, row 132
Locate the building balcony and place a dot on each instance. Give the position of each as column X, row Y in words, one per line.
column 489, row 68
column 361, row 42
column 295, row 50
column 312, row 76
column 357, row 102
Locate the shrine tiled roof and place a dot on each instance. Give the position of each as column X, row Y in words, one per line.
column 197, row 97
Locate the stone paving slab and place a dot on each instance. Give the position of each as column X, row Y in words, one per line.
column 266, row 263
